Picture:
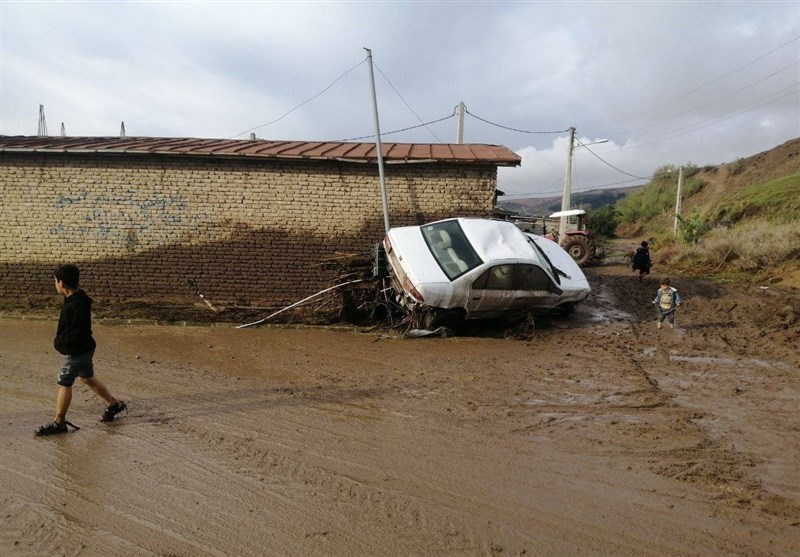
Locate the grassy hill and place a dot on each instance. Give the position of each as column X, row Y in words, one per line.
column 740, row 219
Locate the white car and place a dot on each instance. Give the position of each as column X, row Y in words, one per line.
column 470, row 268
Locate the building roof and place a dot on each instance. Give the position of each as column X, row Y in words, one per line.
column 393, row 153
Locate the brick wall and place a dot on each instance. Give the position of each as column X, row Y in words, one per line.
column 252, row 231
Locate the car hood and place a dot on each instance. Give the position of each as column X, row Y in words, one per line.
column 575, row 281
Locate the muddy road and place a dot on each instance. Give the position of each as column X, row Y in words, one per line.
column 600, row 435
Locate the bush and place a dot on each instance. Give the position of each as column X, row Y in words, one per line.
column 756, row 250
column 692, row 228
column 603, row 222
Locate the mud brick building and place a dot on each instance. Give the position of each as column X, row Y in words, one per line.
column 247, row 221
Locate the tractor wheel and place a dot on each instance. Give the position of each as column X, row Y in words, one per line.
column 578, row 248
column 438, row 317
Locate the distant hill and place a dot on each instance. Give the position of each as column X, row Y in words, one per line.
column 542, row 206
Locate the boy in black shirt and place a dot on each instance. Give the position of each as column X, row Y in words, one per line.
column 642, row 261
column 74, row 340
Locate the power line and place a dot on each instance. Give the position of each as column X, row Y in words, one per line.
column 608, row 163
column 302, row 103
column 402, row 129
column 712, row 121
column 408, row 105
column 577, row 190
column 796, row 62
column 703, row 85
column 514, row 129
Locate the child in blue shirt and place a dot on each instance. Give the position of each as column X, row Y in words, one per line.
column 667, row 300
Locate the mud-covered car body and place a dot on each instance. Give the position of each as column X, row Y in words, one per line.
column 479, row 268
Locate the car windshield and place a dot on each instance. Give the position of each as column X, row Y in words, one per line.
column 557, row 273
column 450, row 247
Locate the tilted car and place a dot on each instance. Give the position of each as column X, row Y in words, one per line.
column 470, row 268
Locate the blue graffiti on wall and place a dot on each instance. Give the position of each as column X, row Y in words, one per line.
column 120, row 215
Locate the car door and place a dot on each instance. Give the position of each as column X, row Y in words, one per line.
column 533, row 288
column 493, row 290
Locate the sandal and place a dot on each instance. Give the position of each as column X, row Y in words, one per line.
column 113, row 410
column 54, row 428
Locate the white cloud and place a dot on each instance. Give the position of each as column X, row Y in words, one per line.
column 629, row 72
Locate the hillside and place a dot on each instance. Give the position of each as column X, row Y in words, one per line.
column 781, row 162
column 740, row 220
column 541, row 206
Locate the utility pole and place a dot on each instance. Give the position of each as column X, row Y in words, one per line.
column 378, row 146
column 678, row 200
column 460, row 110
column 565, row 202
column 42, row 122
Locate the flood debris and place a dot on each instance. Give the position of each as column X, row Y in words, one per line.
column 296, row 304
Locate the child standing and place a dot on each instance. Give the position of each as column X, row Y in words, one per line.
column 667, row 300
column 74, row 340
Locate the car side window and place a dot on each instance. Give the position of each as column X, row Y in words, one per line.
column 499, row 277
column 531, row 277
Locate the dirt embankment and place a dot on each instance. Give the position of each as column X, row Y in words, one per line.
column 600, row 435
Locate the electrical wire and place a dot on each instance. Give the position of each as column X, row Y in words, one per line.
column 796, row 62
column 302, row 103
column 684, row 95
column 400, row 130
column 404, row 102
column 608, row 163
column 711, row 121
column 513, row 129
column 577, row 190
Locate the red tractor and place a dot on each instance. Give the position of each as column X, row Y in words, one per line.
column 575, row 239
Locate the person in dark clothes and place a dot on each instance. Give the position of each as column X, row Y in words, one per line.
column 642, row 261
column 74, row 340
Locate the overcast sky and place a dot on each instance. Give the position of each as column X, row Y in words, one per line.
column 663, row 82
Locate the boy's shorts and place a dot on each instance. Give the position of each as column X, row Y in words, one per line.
column 76, row 366
column 669, row 315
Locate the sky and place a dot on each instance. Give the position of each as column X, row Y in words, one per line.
column 646, row 83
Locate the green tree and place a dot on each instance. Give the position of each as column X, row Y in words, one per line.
column 603, row 222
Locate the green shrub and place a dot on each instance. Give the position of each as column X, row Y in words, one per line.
column 757, row 250
column 603, row 222
column 692, row 228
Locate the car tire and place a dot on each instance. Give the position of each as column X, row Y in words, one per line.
column 578, row 248
column 568, row 308
column 439, row 317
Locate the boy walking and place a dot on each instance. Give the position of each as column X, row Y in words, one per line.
column 667, row 300
column 74, row 340
column 642, row 261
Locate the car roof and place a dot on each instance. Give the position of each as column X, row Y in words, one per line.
column 570, row 213
column 496, row 239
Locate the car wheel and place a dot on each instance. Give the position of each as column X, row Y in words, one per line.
column 568, row 308
column 578, row 248
column 438, row 317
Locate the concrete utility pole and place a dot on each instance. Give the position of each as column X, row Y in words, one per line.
column 42, row 122
column 460, row 110
column 565, row 201
column 378, row 146
column 678, row 200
